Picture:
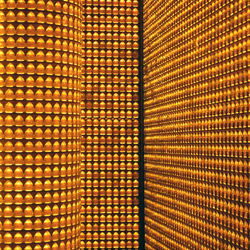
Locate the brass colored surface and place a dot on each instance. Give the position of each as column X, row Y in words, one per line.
column 196, row 102
column 110, row 132
column 40, row 83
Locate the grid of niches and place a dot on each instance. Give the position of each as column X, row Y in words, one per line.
column 196, row 101
column 109, row 176
column 40, row 81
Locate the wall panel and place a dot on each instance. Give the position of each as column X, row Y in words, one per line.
column 196, row 102
column 110, row 133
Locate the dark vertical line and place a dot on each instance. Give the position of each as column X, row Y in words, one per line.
column 141, row 133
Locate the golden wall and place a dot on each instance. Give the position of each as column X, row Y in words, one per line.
column 69, row 124
column 196, row 124
column 71, row 166
column 110, row 135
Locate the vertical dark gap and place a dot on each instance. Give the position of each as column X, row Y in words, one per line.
column 141, row 133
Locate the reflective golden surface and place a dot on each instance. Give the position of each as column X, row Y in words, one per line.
column 40, row 83
column 196, row 101
column 110, row 212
